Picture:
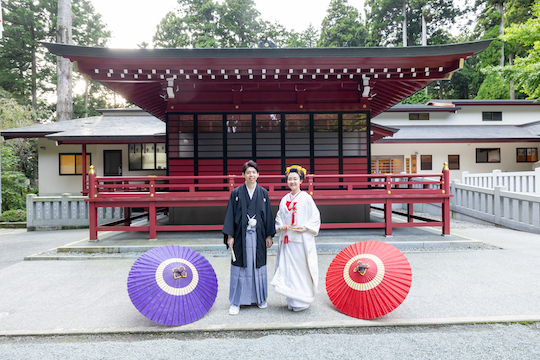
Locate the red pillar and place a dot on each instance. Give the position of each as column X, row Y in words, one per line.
column 388, row 217
column 92, row 215
column 152, row 217
column 84, row 188
column 127, row 216
column 92, row 209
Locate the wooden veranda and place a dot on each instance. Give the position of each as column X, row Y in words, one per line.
column 158, row 192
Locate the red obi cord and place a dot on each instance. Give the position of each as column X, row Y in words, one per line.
column 293, row 209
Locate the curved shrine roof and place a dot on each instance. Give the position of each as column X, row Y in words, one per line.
column 268, row 80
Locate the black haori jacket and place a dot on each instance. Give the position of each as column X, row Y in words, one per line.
column 236, row 222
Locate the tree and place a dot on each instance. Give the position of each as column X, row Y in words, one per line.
column 206, row 23
column 19, row 47
column 95, row 97
column 342, row 26
column 279, row 35
column 172, row 32
column 419, row 97
column 201, row 15
column 305, row 39
column 494, row 14
column 239, row 25
column 19, row 156
column 15, row 186
column 309, row 36
column 494, row 87
column 27, row 71
column 385, row 20
column 526, row 70
column 64, row 68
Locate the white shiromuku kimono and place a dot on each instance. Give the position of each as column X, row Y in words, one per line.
column 297, row 275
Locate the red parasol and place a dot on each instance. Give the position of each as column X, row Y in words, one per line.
column 368, row 279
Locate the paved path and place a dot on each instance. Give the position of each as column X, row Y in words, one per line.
column 90, row 296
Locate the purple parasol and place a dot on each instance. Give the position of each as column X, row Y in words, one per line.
column 172, row 285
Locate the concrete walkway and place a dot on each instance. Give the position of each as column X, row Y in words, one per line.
column 460, row 280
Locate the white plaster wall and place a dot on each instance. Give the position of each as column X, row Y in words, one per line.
column 52, row 183
column 466, row 152
column 468, row 115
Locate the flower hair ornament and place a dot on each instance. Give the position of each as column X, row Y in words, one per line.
column 297, row 169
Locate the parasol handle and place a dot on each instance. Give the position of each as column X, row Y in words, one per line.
column 361, row 268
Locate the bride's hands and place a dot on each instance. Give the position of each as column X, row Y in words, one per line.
column 300, row 229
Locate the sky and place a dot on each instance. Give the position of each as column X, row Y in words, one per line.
column 134, row 21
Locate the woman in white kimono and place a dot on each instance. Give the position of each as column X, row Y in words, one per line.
column 297, row 223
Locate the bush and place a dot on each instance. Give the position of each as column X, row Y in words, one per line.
column 13, row 216
column 14, row 190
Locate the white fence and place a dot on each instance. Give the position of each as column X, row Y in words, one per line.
column 63, row 212
column 510, row 209
column 522, row 182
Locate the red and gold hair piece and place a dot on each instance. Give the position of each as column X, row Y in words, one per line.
column 297, row 169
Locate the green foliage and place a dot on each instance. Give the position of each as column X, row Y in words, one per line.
column 15, row 185
column 309, row 36
column 12, row 114
column 342, row 26
column 279, row 34
column 305, row 39
column 239, row 26
column 18, row 215
column 14, row 190
column 464, row 83
column 19, row 47
column 209, row 24
column 197, row 27
column 384, row 20
column 8, row 158
column 98, row 98
column 419, row 97
column 27, row 70
column 23, row 151
column 526, row 70
column 202, row 16
column 494, row 87
column 172, row 32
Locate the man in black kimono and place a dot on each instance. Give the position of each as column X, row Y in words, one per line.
column 248, row 231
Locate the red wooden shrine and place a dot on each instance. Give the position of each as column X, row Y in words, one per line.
column 311, row 107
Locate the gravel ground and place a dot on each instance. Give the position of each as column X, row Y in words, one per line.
column 487, row 341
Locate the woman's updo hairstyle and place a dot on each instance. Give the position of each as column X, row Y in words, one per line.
column 296, row 169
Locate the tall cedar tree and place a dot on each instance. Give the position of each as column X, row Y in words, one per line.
column 342, row 26
column 207, row 23
column 526, row 71
column 488, row 27
column 239, row 25
column 27, row 71
column 384, row 20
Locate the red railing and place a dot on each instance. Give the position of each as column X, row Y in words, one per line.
column 153, row 192
column 317, row 185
